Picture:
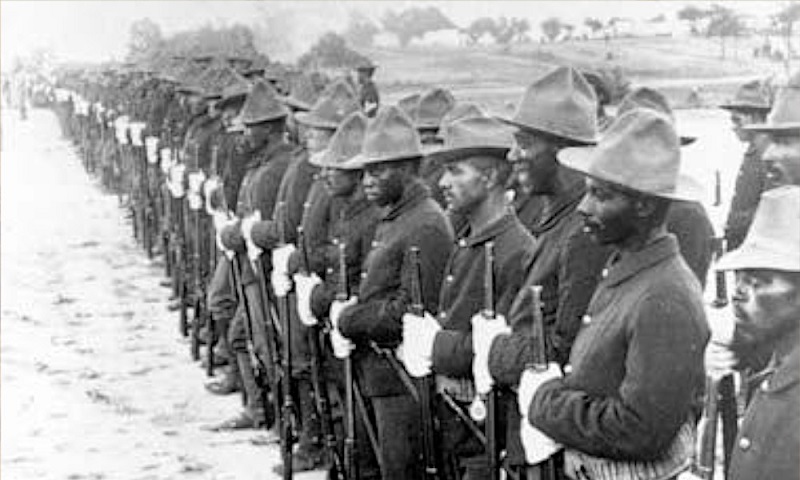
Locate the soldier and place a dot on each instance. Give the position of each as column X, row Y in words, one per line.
column 688, row 221
column 320, row 123
column 767, row 307
column 628, row 402
column 264, row 117
column 431, row 108
column 749, row 106
column 367, row 91
column 354, row 220
column 475, row 174
column 565, row 262
column 372, row 318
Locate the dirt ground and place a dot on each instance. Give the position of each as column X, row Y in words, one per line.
column 96, row 381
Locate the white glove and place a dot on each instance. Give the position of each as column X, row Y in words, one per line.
column 221, row 222
column 719, row 360
column 419, row 333
column 538, row 446
column 175, row 182
column 281, row 282
column 341, row 345
column 484, row 331
column 337, row 307
column 530, row 382
column 253, row 251
column 305, row 285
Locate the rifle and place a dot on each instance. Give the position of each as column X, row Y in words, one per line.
column 198, row 294
column 179, row 270
column 424, row 384
column 490, row 401
column 284, row 314
column 704, row 467
column 350, row 465
column 545, row 470
column 717, row 188
column 320, row 385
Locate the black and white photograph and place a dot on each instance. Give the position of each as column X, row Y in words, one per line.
column 400, row 240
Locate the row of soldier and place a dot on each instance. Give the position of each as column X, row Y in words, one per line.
column 426, row 291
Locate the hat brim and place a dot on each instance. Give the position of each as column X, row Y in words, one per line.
column 295, row 103
column 447, row 155
column 323, row 160
column 361, row 160
column 772, row 127
column 229, row 99
column 309, row 119
column 686, row 140
column 267, row 118
column 750, row 256
column 525, row 126
column 580, row 159
column 745, row 106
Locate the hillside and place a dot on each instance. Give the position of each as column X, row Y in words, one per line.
column 495, row 76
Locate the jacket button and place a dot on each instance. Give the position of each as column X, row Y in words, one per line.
column 462, row 243
column 449, row 279
column 586, row 320
column 363, row 274
column 764, row 386
column 604, row 273
column 567, row 369
column 744, row 443
column 442, row 315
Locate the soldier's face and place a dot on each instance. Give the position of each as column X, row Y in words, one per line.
column 766, row 304
column 742, row 118
column 533, row 158
column 464, row 186
column 782, row 161
column 317, row 139
column 341, row 183
column 608, row 213
column 383, row 183
column 257, row 135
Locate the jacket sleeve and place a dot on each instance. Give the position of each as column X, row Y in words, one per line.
column 452, row 349
column 654, row 399
column 379, row 319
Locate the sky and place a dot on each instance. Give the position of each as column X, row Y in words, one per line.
column 98, row 30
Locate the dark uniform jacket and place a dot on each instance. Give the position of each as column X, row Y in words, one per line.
column 463, row 291
column 768, row 446
column 690, row 224
column 199, row 140
column 528, row 208
column 385, row 291
column 637, row 366
column 259, row 191
column 292, row 195
column 750, row 183
column 231, row 164
column 355, row 226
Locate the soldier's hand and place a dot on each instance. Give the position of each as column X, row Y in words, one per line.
column 530, row 382
column 305, row 285
column 419, row 334
column 342, row 347
column 538, row 446
column 484, row 331
column 719, row 360
column 337, row 307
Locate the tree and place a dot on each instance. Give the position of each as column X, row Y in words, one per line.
column 786, row 19
column 692, row 15
column 144, row 39
column 330, row 52
column 724, row 23
column 478, row 28
column 552, row 28
column 360, row 30
column 594, row 24
column 415, row 23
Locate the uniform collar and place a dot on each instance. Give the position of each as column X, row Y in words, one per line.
column 787, row 372
column 493, row 230
column 413, row 195
column 560, row 206
column 624, row 265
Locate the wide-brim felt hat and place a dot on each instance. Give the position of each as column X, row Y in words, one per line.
column 639, row 151
column 389, row 137
column 409, row 104
column 773, row 240
column 262, row 105
column 235, row 91
column 785, row 113
column 366, row 64
column 432, row 106
column 473, row 136
column 646, row 97
column 303, row 93
column 561, row 103
column 344, row 145
column 336, row 102
column 750, row 96
column 459, row 112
